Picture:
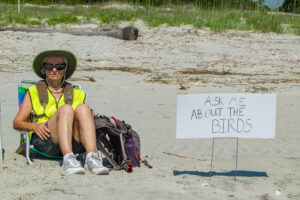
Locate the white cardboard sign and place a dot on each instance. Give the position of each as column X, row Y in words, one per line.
column 226, row 115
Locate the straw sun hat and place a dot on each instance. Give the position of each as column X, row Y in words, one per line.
column 38, row 61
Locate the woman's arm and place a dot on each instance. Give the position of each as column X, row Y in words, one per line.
column 23, row 114
column 20, row 121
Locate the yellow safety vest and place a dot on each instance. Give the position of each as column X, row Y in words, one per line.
column 53, row 105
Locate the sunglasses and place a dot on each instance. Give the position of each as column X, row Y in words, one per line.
column 59, row 66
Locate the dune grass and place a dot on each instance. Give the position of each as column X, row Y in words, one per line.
column 218, row 20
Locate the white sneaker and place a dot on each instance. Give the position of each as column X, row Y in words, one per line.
column 94, row 163
column 71, row 165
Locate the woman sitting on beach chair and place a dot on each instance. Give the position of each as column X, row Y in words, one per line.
column 61, row 123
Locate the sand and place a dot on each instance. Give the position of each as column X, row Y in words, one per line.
column 138, row 81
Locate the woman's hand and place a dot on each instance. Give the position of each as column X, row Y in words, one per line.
column 41, row 130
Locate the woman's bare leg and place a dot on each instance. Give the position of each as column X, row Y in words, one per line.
column 84, row 132
column 60, row 125
column 84, row 128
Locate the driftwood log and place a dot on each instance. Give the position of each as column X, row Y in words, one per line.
column 127, row 33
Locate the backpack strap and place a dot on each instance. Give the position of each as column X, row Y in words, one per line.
column 101, row 147
column 41, row 87
column 107, row 155
column 43, row 94
column 68, row 91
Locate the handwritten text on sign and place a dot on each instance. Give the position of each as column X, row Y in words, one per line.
column 226, row 115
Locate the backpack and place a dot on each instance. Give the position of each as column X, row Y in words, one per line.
column 119, row 143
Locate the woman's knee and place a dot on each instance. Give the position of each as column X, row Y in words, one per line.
column 82, row 108
column 65, row 110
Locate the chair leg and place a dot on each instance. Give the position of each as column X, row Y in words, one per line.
column 28, row 149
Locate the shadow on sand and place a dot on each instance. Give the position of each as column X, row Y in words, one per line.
column 230, row 173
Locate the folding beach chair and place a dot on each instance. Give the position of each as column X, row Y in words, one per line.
column 25, row 145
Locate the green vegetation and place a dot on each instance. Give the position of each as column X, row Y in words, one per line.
column 245, row 4
column 218, row 20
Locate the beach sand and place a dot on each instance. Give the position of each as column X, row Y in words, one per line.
column 138, row 81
